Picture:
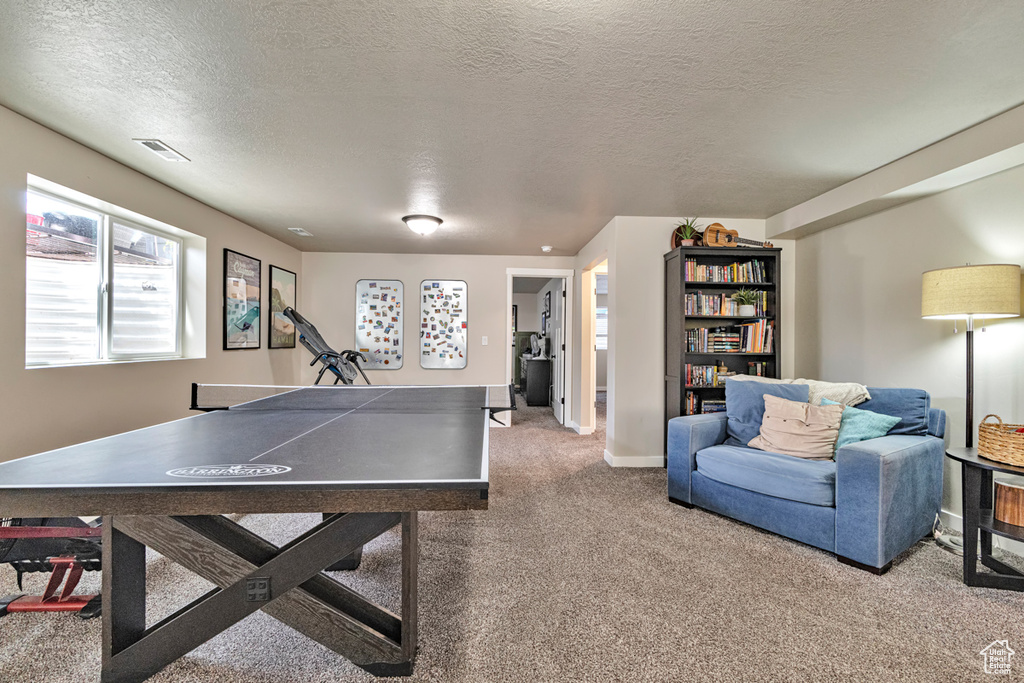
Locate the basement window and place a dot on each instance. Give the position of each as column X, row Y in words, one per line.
column 100, row 286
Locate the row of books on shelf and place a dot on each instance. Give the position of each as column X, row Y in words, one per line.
column 694, row 405
column 755, row 337
column 758, row 368
column 754, row 271
column 699, row 303
column 707, row 375
column 701, row 376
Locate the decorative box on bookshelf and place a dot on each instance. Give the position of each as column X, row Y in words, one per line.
column 706, row 340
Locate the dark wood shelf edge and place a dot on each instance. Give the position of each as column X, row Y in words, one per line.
column 989, row 523
column 725, row 353
column 728, row 317
column 709, row 283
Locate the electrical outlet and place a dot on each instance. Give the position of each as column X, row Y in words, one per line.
column 483, row 341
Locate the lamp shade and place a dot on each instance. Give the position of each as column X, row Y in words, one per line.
column 984, row 291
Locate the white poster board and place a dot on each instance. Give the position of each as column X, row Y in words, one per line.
column 443, row 324
column 379, row 323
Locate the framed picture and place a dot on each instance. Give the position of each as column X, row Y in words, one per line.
column 515, row 317
column 379, row 323
column 444, row 335
column 543, row 323
column 547, row 302
column 281, row 331
column 241, row 301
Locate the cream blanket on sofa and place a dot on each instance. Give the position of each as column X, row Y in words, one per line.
column 847, row 393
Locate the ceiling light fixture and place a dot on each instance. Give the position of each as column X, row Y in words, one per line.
column 300, row 232
column 545, row 248
column 161, row 149
column 422, row 224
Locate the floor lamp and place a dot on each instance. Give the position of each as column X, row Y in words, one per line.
column 969, row 292
column 965, row 293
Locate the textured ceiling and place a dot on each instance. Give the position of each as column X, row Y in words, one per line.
column 519, row 122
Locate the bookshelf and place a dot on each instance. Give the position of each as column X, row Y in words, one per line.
column 705, row 337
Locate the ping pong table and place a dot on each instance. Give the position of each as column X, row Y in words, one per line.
column 374, row 456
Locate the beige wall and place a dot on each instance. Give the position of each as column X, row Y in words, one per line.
column 635, row 247
column 45, row 408
column 859, row 303
column 327, row 293
column 527, row 311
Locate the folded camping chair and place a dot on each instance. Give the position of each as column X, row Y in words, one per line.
column 344, row 365
column 62, row 546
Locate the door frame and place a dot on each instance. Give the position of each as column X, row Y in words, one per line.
column 568, row 275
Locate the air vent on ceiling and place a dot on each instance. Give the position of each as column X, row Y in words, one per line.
column 300, row 232
column 161, row 150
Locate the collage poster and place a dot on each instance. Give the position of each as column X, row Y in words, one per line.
column 443, row 333
column 379, row 323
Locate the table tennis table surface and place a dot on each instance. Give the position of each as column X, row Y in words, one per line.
column 337, row 437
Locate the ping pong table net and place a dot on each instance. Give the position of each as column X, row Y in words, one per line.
column 343, row 365
column 379, row 398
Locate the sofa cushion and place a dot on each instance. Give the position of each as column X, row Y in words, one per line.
column 773, row 474
column 861, row 425
column 744, row 406
column 799, row 429
column 910, row 405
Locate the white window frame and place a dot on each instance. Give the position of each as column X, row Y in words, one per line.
column 104, row 288
column 597, row 335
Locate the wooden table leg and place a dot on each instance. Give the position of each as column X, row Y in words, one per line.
column 971, row 490
column 124, row 597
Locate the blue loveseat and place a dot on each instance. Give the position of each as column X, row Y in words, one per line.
column 873, row 501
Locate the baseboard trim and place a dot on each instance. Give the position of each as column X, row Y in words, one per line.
column 582, row 431
column 634, row 461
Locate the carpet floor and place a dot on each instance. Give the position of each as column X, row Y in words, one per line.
column 581, row 572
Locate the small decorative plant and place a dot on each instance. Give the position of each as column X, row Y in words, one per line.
column 746, row 297
column 687, row 231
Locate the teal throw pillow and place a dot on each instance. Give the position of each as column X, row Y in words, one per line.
column 861, row 425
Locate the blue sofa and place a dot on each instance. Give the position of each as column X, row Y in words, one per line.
column 873, row 501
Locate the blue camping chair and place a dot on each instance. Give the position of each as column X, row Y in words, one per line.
column 344, row 365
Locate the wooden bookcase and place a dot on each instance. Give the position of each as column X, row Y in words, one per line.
column 717, row 264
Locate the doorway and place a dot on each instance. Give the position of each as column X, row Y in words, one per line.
column 595, row 347
column 539, row 357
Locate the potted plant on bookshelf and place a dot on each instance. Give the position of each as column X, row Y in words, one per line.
column 686, row 233
column 746, row 298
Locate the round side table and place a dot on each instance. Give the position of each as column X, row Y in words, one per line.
column 979, row 519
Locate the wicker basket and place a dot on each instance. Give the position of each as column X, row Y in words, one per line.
column 1001, row 442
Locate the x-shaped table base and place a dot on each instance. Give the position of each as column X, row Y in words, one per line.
column 252, row 574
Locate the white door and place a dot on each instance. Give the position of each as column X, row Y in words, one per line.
column 558, row 354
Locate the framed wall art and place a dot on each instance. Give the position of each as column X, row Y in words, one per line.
column 443, row 324
column 281, row 331
column 379, row 323
column 241, row 301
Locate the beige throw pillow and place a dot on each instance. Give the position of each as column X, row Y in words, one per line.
column 799, row 429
